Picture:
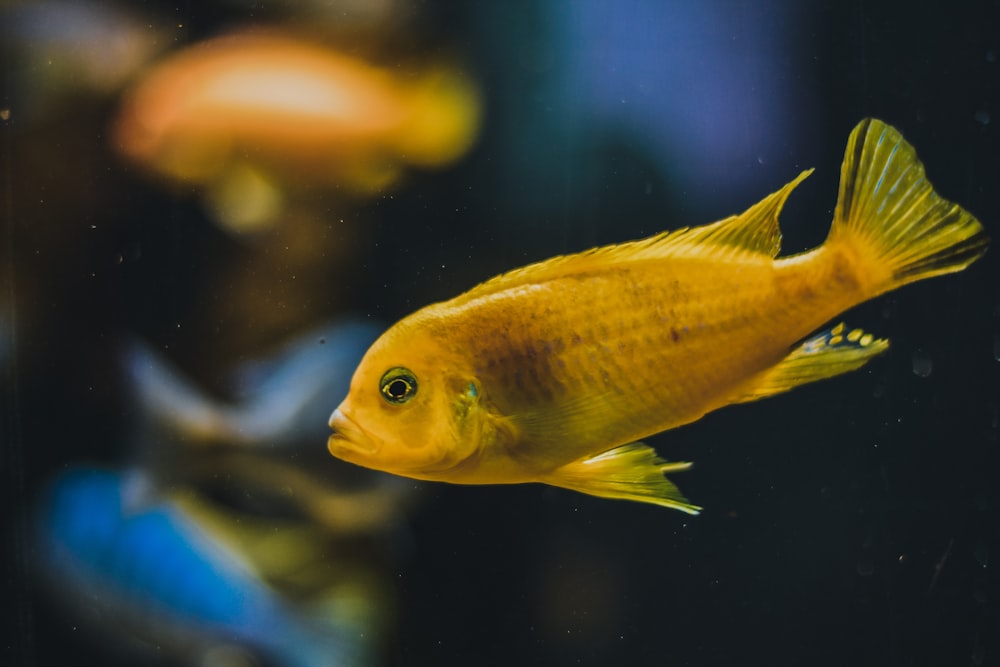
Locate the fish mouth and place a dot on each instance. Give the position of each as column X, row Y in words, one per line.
column 348, row 438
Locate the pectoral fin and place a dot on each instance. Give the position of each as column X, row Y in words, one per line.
column 629, row 472
column 832, row 352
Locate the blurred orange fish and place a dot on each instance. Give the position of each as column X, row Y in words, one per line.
column 254, row 107
column 553, row 372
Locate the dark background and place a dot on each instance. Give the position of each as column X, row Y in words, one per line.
column 853, row 522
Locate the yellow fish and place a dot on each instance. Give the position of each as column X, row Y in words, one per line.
column 552, row 373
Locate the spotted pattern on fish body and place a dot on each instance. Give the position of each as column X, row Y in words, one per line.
column 575, row 359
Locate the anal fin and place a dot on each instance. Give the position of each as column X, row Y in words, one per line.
column 629, row 472
column 832, row 352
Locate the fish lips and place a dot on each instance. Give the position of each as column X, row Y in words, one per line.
column 348, row 439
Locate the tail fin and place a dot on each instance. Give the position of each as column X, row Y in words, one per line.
column 888, row 213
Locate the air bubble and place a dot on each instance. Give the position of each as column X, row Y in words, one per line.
column 922, row 364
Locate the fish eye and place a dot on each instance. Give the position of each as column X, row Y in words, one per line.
column 398, row 386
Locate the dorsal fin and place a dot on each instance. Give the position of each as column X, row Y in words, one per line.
column 753, row 232
column 756, row 229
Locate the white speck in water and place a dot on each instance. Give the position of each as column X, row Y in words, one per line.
column 982, row 554
column 982, row 117
column 922, row 364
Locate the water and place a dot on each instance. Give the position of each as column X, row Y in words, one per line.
column 849, row 522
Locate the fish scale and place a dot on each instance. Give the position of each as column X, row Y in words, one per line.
column 621, row 342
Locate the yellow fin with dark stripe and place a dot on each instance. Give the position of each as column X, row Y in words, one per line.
column 751, row 235
column 889, row 216
column 832, row 352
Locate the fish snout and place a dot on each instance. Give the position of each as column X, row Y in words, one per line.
column 348, row 437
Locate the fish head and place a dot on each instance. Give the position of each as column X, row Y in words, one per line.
column 414, row 408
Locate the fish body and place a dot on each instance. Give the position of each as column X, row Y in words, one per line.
column 256, row 118
column 552, row 373
column 148, row 571
column 321, row 113
column 278, row 399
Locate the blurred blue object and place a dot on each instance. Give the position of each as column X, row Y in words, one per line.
column 145, row 563
column 713, row 97
column 706, row 86
column 262, row 449
column 233, row 553
column 277, row 402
